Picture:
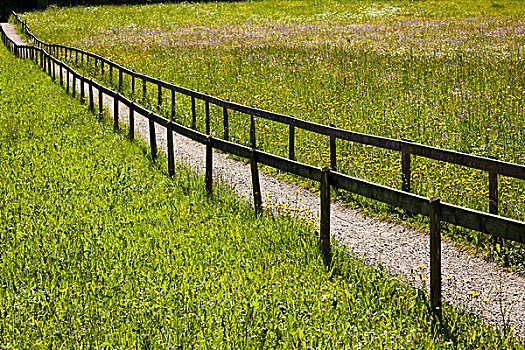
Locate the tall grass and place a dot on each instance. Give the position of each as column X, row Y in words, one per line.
column 101, row 249
column 431, row 71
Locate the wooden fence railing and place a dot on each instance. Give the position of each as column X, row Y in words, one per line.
column 437, row 211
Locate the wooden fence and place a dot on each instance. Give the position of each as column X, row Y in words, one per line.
column 489, row 223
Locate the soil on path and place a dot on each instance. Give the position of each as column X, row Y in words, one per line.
column 469, row 282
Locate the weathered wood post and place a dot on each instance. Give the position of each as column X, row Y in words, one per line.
column 225, row 124
column 100, row 103
column 435, row 256
column 493, row 191
column 493, row 202
column 61, row 74
column 253, row 140
column 120, row 78
column 207, row 108
column 81, row 80
column 67, row 81
column 132, row 122
column 172, row 104
column 91, row 102
column 152, row 137
column 171, row 155
column 291, row 140
column 116, row 98
column 159, row 96
column 209, row 165
column 49, row 64
column 256, row 186
column 324, row 231
column 193, row 113
column 144, row 90
column 74, row 85
column 333, row 150
column 405, row 166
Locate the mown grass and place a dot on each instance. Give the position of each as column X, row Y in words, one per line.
column 101, row 249
column 442, row 73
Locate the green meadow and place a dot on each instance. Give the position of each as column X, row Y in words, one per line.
column 101, row 249
column 442, row 73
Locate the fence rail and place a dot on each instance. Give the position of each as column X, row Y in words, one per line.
column 437, row 211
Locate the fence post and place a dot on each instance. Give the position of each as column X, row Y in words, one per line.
column 131, row 122
column 159, row 96
column 49, row 64
column 209, row 164
column 61, row 74
column 207, row 107
column 54, row 66
column 115, row 111
column 435, row 256
column 152, row 137
column 193, row 113
column 225, row 124
column 67, row 81
column 253, row 141
column 81, row 80
column 291, row 140
column 74, row 86
column 144, row 91
column 100, row 102
column 405, row 166
column 493, row 192
column 172, row 104
column 333, row 150
column 493, row 204
column 120, row 80
column 91, row 102
column 171, row 156
column 256, row 186
column 324, row 231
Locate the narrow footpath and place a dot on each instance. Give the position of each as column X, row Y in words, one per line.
column 469, row 282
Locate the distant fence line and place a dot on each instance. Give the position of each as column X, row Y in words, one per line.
column 437, row 211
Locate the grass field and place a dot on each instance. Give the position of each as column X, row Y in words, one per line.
column 101, row 249
column 443, row 73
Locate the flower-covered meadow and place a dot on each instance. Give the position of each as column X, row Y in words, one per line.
column 433, row 72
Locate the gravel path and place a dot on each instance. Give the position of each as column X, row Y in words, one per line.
column 499, row 294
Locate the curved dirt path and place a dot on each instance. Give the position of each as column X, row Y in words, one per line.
column 469, row 282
